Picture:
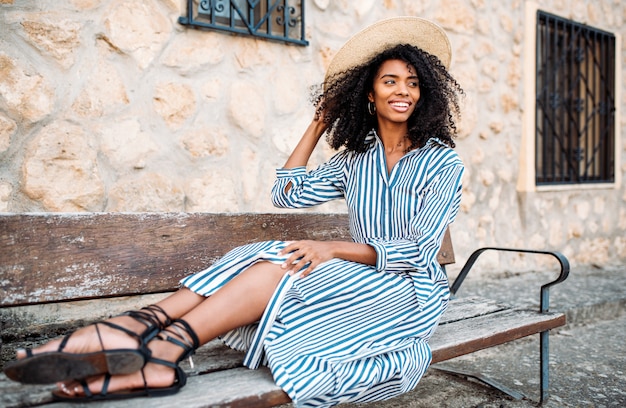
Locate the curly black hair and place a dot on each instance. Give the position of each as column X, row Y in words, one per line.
column 342, row 100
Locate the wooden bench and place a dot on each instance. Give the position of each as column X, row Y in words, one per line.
column 49, row 258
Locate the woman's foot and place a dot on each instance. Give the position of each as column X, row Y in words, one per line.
column 115, row 346
column 160, row 376
column 87, row 340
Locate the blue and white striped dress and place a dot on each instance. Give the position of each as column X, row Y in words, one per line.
column 348, row 331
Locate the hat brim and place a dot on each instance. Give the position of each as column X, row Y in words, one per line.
column 385, row 34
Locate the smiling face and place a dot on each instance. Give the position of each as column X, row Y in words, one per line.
column 395, row 91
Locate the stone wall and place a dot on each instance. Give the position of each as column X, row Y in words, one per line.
column 114, row 106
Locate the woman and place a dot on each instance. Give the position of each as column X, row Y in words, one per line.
column 334, row 321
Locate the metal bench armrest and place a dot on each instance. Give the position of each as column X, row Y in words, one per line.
column 545, row 289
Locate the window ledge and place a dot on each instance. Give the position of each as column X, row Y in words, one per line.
column 578, row 187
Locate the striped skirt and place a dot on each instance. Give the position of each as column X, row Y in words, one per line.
column 344, row 333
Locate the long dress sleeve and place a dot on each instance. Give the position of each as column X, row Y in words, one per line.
column 308, row 189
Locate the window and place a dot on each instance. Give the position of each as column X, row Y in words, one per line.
column 575, row 103
column 280, row 20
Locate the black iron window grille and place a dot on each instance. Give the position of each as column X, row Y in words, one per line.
column 280, row 20
column 575, row 110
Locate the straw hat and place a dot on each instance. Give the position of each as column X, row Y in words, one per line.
column 388, row 33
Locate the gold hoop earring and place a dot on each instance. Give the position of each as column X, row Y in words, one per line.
column 371, row 108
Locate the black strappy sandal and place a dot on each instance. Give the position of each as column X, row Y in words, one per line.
column 185, row 338
column 149, row 317
column 55, row 366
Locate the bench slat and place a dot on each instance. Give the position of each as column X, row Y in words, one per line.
column 237, row 387
column 79, row 256
column 478, row 321
column 18, row 395
column 467, row 336
column 469, row 307
column 58, row 257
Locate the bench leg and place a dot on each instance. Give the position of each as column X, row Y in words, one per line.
column 485, row 380
column 544, row 361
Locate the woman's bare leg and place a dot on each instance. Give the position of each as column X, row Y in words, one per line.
column 240, row 302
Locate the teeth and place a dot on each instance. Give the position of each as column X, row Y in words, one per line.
column 400, row 104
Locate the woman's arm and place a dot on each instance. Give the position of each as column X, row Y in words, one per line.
column 301, row 154
column 296, row 187
column 310, row 254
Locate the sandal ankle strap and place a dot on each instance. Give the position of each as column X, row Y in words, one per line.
column 185, row 338
column 153, row 310
column 183, row 331
column 148, row 317
column 195, row 342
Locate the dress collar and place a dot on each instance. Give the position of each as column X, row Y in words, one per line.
column 373, row 139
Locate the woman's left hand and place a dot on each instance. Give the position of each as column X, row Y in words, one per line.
column 307, row 254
